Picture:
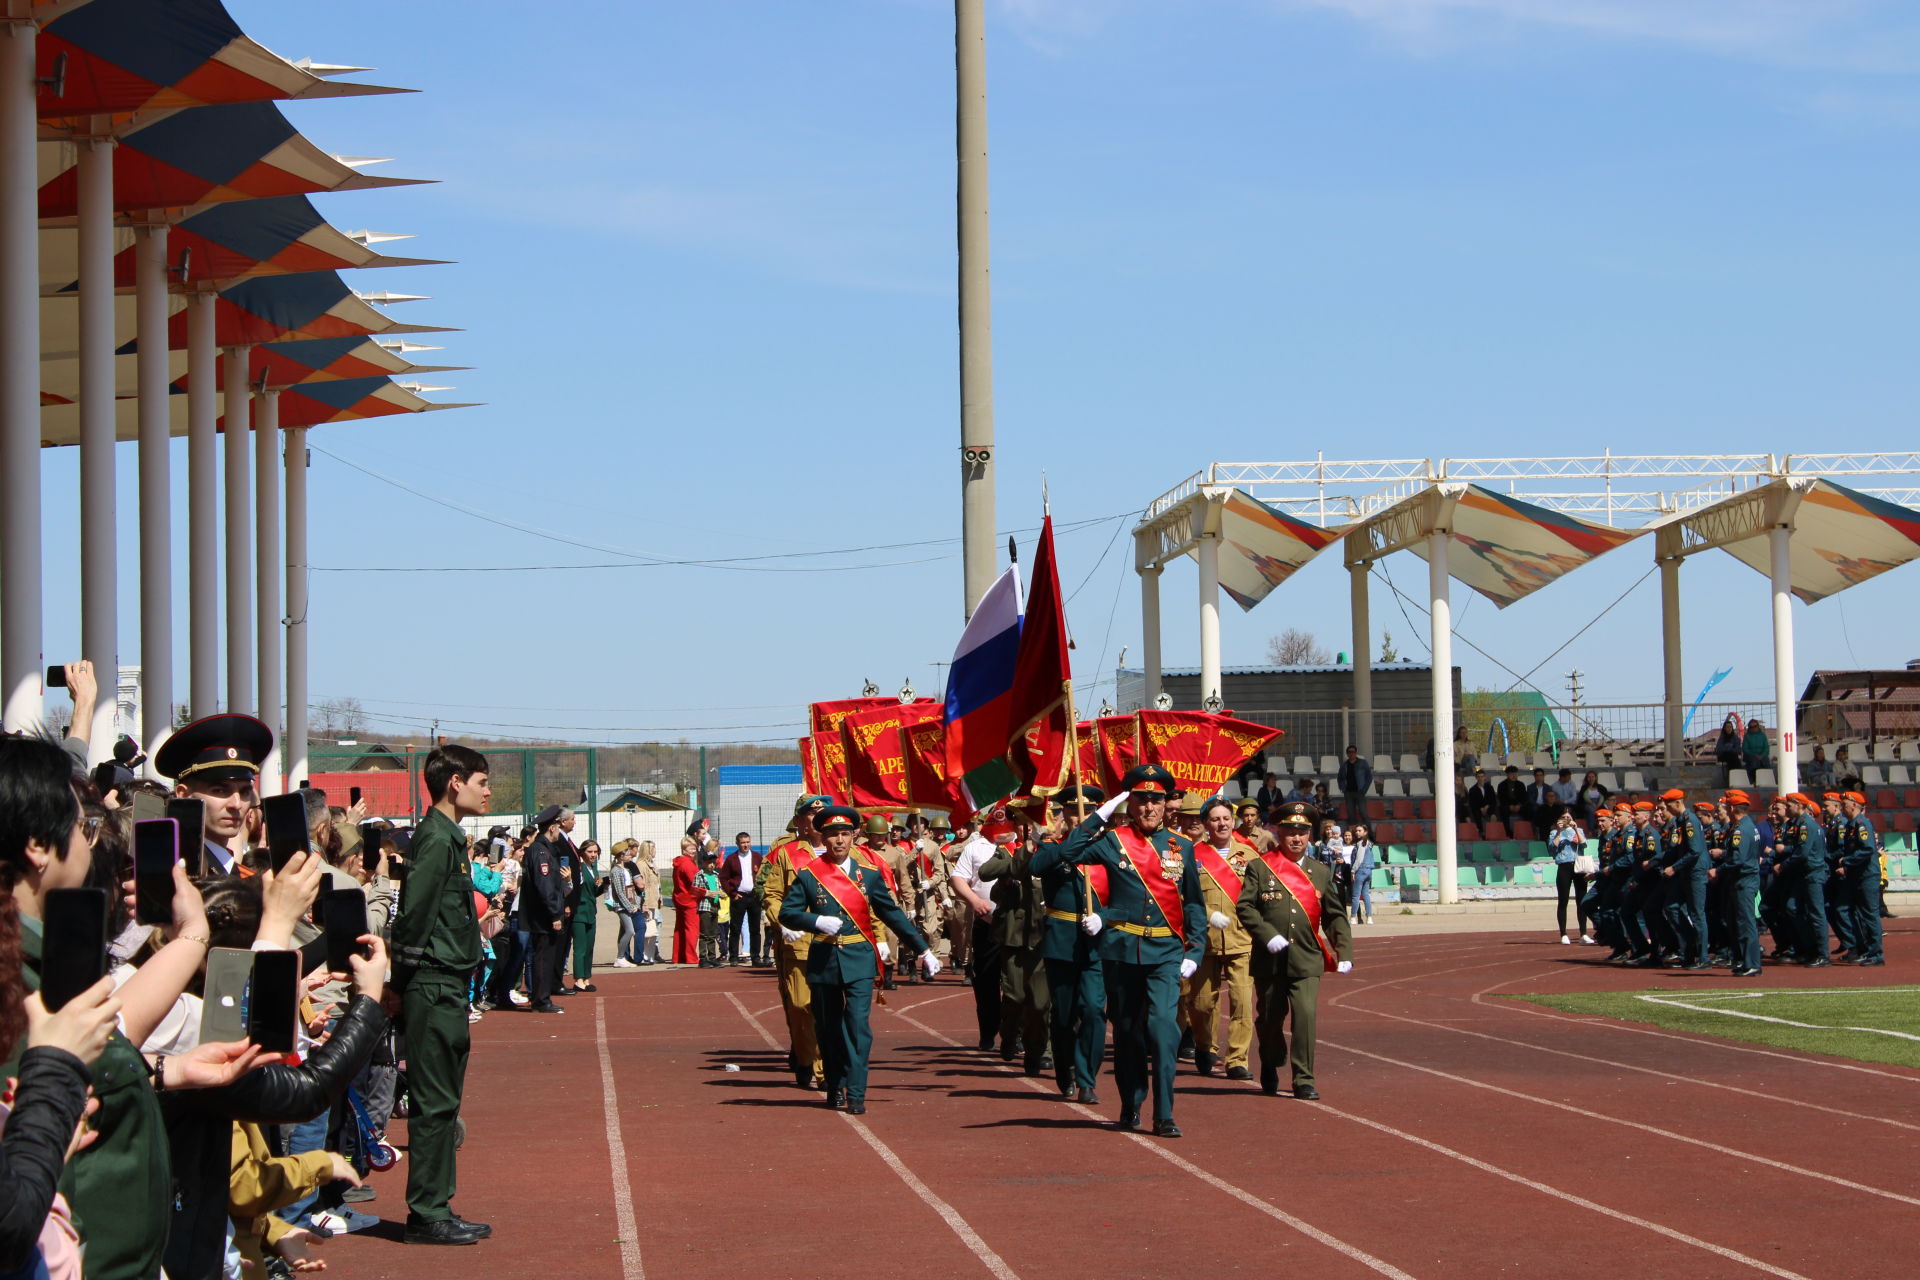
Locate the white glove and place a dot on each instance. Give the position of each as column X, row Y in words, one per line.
column 1091, row 924
column 1188, row 968
column 827, row 925
column 1218, row 921
column 790, row 935
column 1276, row 944
column 1106, row 811
column 1345, row 966
column 885, row 953
column 931, row 963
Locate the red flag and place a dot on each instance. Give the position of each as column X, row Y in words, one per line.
column 1119, row 745
column 1202, row 751
column 1093, row 765
column 829, row 757
column 877, row 753
column 825, row 717
column 928, row 786
column 1042, row 671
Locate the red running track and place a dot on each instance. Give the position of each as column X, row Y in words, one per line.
column 1461, row 1136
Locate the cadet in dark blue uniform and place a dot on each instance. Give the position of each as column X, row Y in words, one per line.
column 1839, row 912
column 1155, row 934
column 1739, row 876
column 1684, row 864
column 1804, row 863
column 1078, row 1014
column 1858, row 873
column 842, row 902
column 1638, row 893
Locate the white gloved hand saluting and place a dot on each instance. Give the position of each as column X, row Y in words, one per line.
column 1188, row 968
column 1091, row 924
column 1218, row 920
column 930, row 962
column 828, row 925
column 1345, row 966
column 1276, row 944
column 886, row 953
column 1107, row 810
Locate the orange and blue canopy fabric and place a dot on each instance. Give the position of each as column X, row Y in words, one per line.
column 1261, row 547
column 1507, row 549
column 310, row 404
column 286, row 309
column 1840, row 538
column 280, row 363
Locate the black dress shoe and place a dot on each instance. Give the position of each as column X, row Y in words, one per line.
column 1203, row 1061
column 856, row 1108
column 1871, row 962
column 1819, row 964
column 1165, row 1129
column 1697, row 964
column 443, row 1231
column 1129, row 1121
column 480, row 1227
column 1239, row 1073
column 1746, row 973
column 1270, row 1080
column 1086, row 1097
column 1306, row 1093
column 836, row 1099
column 1012, row 1049
column 548, row 1007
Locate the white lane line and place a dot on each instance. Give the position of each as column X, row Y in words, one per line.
column 629, row 1228
column 1247, row 1198
column 968, row 1236
column 1655, row 1130
column 1581, row 1201
column 1682, row 1003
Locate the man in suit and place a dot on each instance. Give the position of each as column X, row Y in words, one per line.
column 1510, row 798
column 543, row 908
column 1294, row 911
column 1155, row 933
column 737, row 876
column 1543, row 806
column 1356, row 780
column 843, row 903
column 1480, row 801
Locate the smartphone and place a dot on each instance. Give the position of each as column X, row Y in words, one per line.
column 343, row 914
column 191, row 813
column 57, row 677
column 273, row 998
column 147, row 806
column 286, row 820
column 73, row 953
column 223, row 1008
column 372, row 836
column 156, row 848
column 353, row 795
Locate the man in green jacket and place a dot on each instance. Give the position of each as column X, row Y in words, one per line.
column 436, row 946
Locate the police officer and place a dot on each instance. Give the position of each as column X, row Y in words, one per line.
column 543, row 909
column 1858, row 873
column 785, row 857
column 216, row 760
column 1155, row 935
column 1293, row 910
column 1076, row 982
column 843, row 903
column 1739, row 873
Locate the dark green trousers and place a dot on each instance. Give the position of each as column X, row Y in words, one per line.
column 1024, row 1002
column 435, row 1006
column 1143, row 1000
column 583, row 931
column 1275, row 1000
column 1078, row 1014
column 843, row 1022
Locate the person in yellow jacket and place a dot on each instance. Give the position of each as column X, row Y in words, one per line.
column 784, row 858
column 260, row 1182
column 1223, row 854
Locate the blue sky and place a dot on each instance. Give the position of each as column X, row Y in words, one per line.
column 705, row 273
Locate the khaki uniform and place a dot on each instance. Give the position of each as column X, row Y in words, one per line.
column 1288, row 985
column 790, row 958
column 959, row 914
column 932, row 897
column 1227, row 965
column 1262, row 840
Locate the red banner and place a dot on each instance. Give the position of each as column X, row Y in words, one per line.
column 1093, row 768
column 1042, row 675
column 825, row 717
column 827, row 755
column 1119, row 744
column 876, row 752
column 1202, row 751
column 927, row 785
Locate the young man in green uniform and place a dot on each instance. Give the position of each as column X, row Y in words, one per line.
column 1072, row 898
column 1019, row 927
column 843, row 904
column 1154, row 938
column 436, row 945
column 1294, row 911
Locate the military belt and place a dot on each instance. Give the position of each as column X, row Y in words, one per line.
column 1069, row 916
column 1144, row 930
column 842, row 939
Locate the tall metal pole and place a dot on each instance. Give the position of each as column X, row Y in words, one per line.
column 266, row 487
column 1787, row 767
column 20, row 599
column 295, row 740
column 237, row 397
column 1209, row 556
column 203, row 525
column 156, row 493
column 1445, row 833
column 1150, row 629
column 1357, row 605
column 99, row 555
column 978, row 555
column 1675, row 694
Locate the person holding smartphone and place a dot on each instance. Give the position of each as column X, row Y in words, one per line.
column 217, row 758
column 436, row 945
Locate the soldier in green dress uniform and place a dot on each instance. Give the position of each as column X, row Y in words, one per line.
column 1072, row 898
column 1155, row 933
column 1293, row 908
column 1019, row 926
column 844, row 904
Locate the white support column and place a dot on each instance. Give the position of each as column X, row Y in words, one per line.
column 156, row 495
column 203, row 514
column 99, row 567
column 1675, row 696
column 1787, row 762
column 237, row 403
column 1445, row 832
column 1150, row 629
column 1362, row 658
column 266, row 453
column 296, row 735
column 1209, row 554
column 20, row 598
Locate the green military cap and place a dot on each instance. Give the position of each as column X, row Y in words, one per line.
column 1298, row 813
column 836, row 815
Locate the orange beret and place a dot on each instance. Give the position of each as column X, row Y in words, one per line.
column 1854, row 796
column 1704, row 806
column 1830, row 795
column 1674, row 794
column 1736, row 797
column 1643, row 806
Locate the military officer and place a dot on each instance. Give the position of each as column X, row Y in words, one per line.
column 1684, row 864
column 1076, row 982
column 1739, row 873
column 1858, row 874
column 842, row 904
column 1223, row 859
column 785, row 856
column 216, row 760
column 543, row 909
column 1154, row 935
column 1249, row 829
column 1019, row 925
column 1293, row 910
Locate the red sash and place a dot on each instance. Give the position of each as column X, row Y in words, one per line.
column 1096, row 885
column 874, row 860
column 841, row 888
column 1146, row 864
column 1215, row 865
column 1294, row 878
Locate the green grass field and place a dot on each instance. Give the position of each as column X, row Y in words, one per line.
column 1873, row 1025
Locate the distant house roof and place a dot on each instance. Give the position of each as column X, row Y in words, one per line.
column 614, row 798
column 374, row 758
column 1894, row 702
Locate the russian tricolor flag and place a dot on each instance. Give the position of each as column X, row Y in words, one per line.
column 979, row 711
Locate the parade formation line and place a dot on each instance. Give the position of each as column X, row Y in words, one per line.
column 1461, row 1133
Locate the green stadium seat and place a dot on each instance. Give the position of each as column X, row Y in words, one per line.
column 1514, row 851
column 1469, row 876
column 1525, row 875
column 1425, row 853
column 1397, row 855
